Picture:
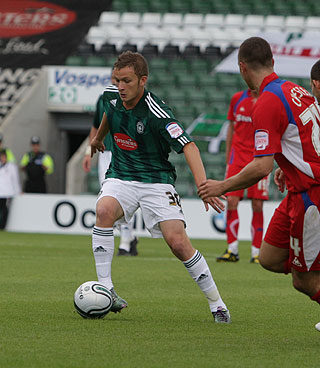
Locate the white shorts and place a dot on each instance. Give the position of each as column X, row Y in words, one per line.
column 104, row 160
column 158, row 202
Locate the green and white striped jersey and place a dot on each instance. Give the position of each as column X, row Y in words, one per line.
column 142, row 138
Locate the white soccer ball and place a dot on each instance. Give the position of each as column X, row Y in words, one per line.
column 92, row 300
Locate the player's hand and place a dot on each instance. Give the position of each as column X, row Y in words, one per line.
column 210, row 188
column 279, row 179
column 86, row 163
column 96, row 145
column 215, row 203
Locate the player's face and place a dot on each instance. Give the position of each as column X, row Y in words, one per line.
column 315, row 87
column 130, row 87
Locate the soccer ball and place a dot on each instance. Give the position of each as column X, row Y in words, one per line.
column 92, row 300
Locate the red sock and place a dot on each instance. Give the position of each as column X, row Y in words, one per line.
column 316, row 297
column 232, row 226
column 257, row 228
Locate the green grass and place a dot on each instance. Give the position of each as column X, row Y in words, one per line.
column 167, row 323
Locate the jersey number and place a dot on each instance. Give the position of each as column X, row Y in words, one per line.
column 174, row 199
column 312, row 113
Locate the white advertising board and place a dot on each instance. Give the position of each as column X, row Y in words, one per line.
column 294, row 54
column 75, row 89
column 67, row 214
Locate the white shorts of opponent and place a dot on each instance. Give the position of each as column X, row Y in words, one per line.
column 158, row 202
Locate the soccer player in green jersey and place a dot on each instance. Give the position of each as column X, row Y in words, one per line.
column 128, row 242
column 143, row 131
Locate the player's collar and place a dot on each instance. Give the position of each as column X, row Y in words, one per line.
column 269, row 78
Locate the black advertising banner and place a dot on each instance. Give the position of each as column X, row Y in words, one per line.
column 36, row 33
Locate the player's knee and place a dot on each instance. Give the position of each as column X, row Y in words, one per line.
column 176, row 243
column 265, row 262
column 103, row 214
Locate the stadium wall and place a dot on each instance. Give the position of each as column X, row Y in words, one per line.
column 75, row 214
column 31, row 117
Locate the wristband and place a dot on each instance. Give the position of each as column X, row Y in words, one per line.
column 88, row 151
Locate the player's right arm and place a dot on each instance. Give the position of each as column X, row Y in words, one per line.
column 97, row 141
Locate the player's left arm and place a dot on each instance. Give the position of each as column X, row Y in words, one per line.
column 257, row 169
column 194, row 161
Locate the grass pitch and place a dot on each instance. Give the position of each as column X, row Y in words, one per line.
column 167, row 323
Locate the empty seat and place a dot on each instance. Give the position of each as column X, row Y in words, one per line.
column 150, row 51
column 137, row 36
column 150, row 19
column 191, row 51
column 192, row 20
column 171, row 20
column 294, row 23
column 116, row 36
column 109, row 19
column 107, row 49
column 312, row 24
column 130, row 19
column 75, row 60
column 96, row 36
column 233, row 20
column 159, row 37
column 179, row 37
column 171, row 51
column 94, row 60
column 274, row 23
column 200, row 37
column 253, row 21
column 213, row 21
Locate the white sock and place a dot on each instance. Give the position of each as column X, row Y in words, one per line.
column 233, row 247
column 126, row 235
column 103, row 249
column 200, row 272
column 254, row 251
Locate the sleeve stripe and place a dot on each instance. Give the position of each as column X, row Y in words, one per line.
column 154, row 112
column 111, row 88
column 156, row 106
column 183, row 140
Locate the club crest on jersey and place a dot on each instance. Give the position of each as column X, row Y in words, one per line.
column 140, row 127
column 174, row 130
column 261, row 139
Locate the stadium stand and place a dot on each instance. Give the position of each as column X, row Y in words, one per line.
column 183, row 41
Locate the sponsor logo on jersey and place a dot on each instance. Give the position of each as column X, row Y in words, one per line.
column 124, row 142
column 243, row 118
column 140, row 127
column 261, row 139
column 174, row 130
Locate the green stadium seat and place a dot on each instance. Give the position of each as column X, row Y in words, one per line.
column 120, row 6
column 75, row 60
column 93, row 60
column 184, row 80
column 158, row 64
column 159, row 6
column 203, row 7
column 138, row 6
column 180, row 6
column 179, row 65
column 200, row 66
